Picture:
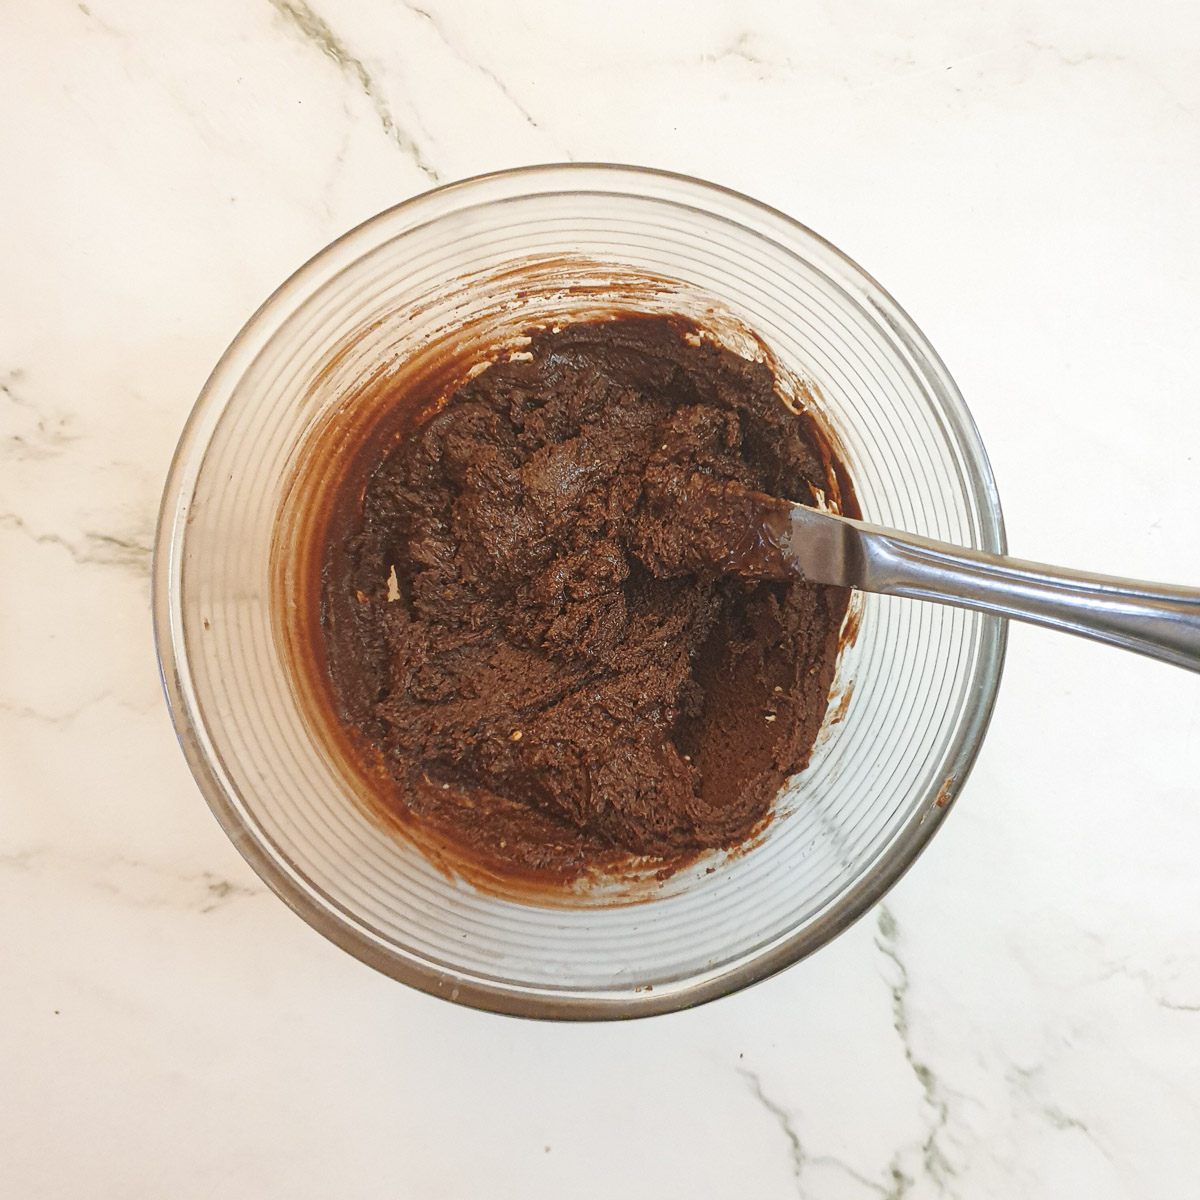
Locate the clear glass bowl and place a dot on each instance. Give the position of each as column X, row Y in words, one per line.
column 494, row 255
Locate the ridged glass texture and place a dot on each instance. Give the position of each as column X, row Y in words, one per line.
column 924, row 677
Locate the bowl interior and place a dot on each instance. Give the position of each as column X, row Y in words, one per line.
column 446, row 278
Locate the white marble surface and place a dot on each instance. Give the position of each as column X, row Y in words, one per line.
column 1022, row 1017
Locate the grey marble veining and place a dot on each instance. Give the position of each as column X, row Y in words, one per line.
column 1022, row 1015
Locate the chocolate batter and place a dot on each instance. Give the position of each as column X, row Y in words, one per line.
column 529, row 626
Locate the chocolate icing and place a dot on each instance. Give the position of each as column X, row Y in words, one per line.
column 526, row 617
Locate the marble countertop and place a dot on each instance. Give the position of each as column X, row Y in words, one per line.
column 1020, row 1018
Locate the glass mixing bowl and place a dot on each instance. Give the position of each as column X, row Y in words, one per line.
column 495, row 255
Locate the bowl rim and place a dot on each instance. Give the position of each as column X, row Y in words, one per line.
column 166, row 602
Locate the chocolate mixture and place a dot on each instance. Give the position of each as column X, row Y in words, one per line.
column 529, row 626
